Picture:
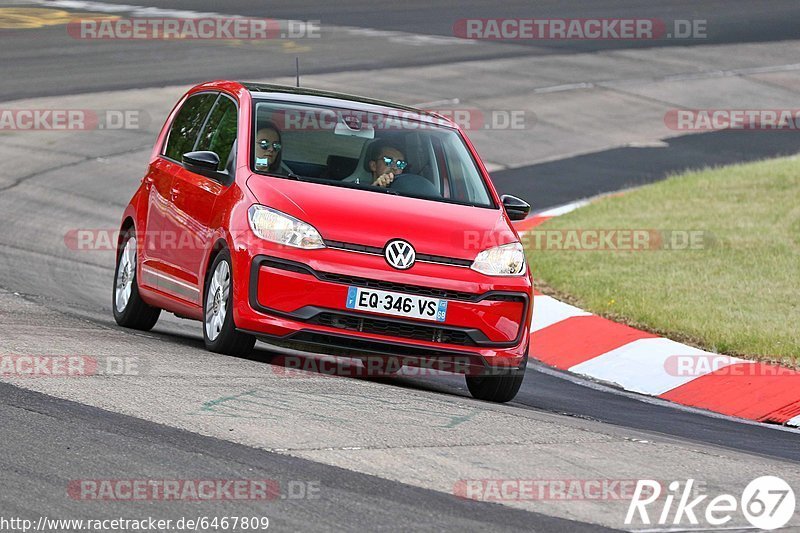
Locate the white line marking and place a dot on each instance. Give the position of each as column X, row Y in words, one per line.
column 438, row 103
column 563, row 209
column 646, row 365
column 139, row 11
column 564, row 87
column 548, row 311
column 402, row 37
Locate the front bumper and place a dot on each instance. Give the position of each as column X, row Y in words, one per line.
column 302, row 304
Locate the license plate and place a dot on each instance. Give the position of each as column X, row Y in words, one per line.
column 396, row 304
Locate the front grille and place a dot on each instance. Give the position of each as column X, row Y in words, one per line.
column 369, row 283
column 396, row 287
column 444, row 260
column 394, row 328
column 354, row 247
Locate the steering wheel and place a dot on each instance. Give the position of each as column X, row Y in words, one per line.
column 414, row 184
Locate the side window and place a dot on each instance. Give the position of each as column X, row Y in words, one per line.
column 220, row 131
column 467, row 184
column 187, row 124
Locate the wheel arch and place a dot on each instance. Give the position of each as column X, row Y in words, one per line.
column 127, row 224
column 219, row 245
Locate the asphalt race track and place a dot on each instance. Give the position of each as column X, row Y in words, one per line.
column 384, row 454
column 31, row 61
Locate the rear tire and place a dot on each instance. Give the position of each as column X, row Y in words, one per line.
column 498, row 388
column 130, row 311
column 219, row 331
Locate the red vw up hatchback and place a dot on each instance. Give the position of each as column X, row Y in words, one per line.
column 331, row 223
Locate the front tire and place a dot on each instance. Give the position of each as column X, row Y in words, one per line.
column 497, row 388
column 219, row 331
column 130, row 311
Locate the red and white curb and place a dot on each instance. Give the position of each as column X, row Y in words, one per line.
column 571, row 339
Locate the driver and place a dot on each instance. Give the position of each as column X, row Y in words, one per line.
column 268, row 148
column 386, row 162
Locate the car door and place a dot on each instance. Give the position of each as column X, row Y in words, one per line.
column 192, row 196
column 157, row 182
column 158, row 266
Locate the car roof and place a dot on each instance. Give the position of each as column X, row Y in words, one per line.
column 337, row 99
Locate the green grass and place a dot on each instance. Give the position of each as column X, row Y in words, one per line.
column 739, row 294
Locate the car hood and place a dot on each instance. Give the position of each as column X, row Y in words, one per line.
column 372, row 218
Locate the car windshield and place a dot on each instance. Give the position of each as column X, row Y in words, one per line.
column 390, row 152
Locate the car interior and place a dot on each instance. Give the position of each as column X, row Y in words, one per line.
column 439, row 166
column 348, row 167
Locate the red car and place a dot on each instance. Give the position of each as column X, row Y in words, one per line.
column 332, row 223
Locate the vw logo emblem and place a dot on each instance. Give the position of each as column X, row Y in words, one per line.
column 399, row 254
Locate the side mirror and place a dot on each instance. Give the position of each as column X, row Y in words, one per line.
column 516, row 208
column 204, row 163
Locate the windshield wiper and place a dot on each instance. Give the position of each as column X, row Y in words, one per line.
column 296, row 177
column 308, row 179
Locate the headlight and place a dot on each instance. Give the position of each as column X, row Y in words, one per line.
column 505, row 260
column 274, row 226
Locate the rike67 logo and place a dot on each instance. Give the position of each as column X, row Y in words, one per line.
column 768, row 502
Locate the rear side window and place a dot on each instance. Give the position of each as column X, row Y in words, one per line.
column 187, row 125
column 219, row 132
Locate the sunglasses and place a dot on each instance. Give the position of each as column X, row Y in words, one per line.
column 265, row 144
column 400, row 164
